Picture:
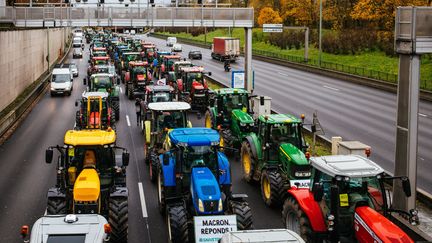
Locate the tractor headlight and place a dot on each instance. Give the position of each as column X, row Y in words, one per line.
column 220, row 207
column 200, row 206
column 242, row 124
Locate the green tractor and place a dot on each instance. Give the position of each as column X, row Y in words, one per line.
column 106, row 82
column 229, row 111
column 276, row 156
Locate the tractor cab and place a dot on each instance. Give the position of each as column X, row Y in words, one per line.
column 130, row 57
column 148, row 51
column 193, row 87
column 167, row 64
column 103, row 82
column 159, row 93
column 160, row 54
column 99, row 54
column 95, row 111
column 91, row 178
column 136, row 78
column 173, row 75
column 98, row 44
column 347, row 196
column 103, row 60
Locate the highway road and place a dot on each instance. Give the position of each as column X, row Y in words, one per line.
column 26, row 178
column 352, row 111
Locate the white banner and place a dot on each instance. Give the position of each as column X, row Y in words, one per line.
column 212, row 228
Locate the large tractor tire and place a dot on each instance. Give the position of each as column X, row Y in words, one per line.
column 177, row 222
column 296, row 220
column 56, row 206
column 118, row 219
column 146, row 157
column 272, row 188
column 247, row 161
column 116, row 108
column 209, row 120
column 129, row 89
column 243, row 214
column 153, row 168
column 228, row 141
column 161, row 193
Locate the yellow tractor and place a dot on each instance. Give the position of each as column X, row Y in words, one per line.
column 91, row 178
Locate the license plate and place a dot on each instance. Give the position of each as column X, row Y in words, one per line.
column 300, row 183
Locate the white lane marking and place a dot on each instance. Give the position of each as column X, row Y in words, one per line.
column 142, row 199
column 423, row 115
column 283, row 74
column 46, row 212
column 331, row 88
column 121, row 90
column 127, row 120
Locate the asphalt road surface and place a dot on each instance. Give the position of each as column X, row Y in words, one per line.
column 352, row 111
column 26, row 177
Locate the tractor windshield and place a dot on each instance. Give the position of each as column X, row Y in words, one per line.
column 286, row 133
column 61, row 78
column 199, row 156
column 100, row 54
column 235, row 101
column 102, row 69
column 171, row 119
column 161, row 97
column 100, row 83
column 132, row 57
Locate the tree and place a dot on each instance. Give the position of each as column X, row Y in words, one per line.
column 268, row 16
column 301, row 12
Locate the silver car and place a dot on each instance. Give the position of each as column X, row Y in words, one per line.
column 77, row 53
column 74, row 69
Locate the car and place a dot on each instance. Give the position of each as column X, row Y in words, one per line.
column 176, row 48
column 195, row 54
column 74, row 69
column 77, row 53
column 61, row 80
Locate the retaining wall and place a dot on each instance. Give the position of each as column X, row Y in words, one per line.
column 23, row 58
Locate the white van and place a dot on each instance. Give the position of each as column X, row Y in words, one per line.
column 61, row 80
column 171, row 41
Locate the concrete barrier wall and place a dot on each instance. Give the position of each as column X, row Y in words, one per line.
column 23, row 58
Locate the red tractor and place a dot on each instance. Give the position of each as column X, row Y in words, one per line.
column 95, row 61
column 167, row 65
column 148, row 51
column 193, row 87
column 137, row 77
column 347, row 202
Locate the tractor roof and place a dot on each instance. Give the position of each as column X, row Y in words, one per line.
column 90, row 137
column 99, row 48
column 279, row 118
column 172, row 57
column 132, row 53
column 183, row 63
column 102, row 74
column 194, row 136
column 138, row 63
column 101, row 58
column 159, row 88
column 101, row 94
column 194, row 69
column 227, row 91
column 346, row 165
column 163, row 52
column 169, row 106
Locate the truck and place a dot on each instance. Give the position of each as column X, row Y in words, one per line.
column 61, row 80
column 225, row 48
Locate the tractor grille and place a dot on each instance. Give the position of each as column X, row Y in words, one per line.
column 300, row 171
column 211, row 205
column 86, row 207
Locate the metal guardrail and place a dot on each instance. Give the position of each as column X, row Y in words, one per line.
column 126, row 16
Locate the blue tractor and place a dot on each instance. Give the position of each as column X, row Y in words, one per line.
column 195, row 179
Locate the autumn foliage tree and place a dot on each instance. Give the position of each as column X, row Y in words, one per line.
column 269, row 16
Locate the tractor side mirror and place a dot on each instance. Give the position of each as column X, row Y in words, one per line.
column 89, row 61
column 209, row 73
column 165, row 159
column 49, row 155
column 84, row 81
column 76, row 103
column 118, row 81
column 125, row 158
column 318, row 191
column 406, row 186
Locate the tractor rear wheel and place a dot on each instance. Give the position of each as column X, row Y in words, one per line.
column 296, row 220
column 247, row 161
column 209, row 119
column 118, row 219
column 161, row 193
column 116, row 107
column 243, row 214
column 129, row 88
column 56, row 206
column 228, row 141
column 177, row 222
column 272, row 188
column 153, row 168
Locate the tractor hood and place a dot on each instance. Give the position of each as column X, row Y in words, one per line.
column 197, row 85
column 293, row 154
column 87, row 186
column 206, row 194
column 243, row 116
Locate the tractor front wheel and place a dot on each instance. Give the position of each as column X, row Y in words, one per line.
column 118, row 219
column 116, row 107
column 177, row 222
column 153, row 168
column 247, row 161
column 228, row 141
column 56, row 206
column 296, row 220
column 243, row 214
column 272, row 188
column 161, row 193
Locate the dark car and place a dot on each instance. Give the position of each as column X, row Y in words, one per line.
column 195, row 55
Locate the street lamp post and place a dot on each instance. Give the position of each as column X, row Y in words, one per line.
column 320, row 34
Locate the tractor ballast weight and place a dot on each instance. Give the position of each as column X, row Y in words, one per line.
column 195, row 179
column 91, row 179
column 95, row 111
column 162, row 117
column 347, row 202
column 276, row 156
